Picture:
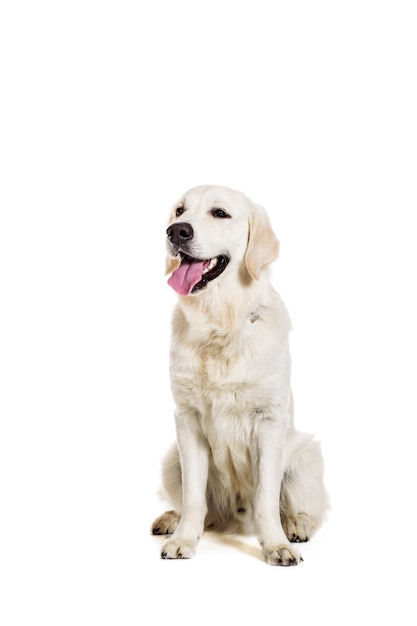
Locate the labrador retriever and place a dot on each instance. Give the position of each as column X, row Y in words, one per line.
column 238, row 465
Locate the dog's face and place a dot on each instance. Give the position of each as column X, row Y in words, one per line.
column 212, row 230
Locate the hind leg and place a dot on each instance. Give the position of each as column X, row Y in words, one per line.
column 167, row 523
column 304, row 499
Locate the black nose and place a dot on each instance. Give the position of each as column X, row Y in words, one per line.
column 179, row 233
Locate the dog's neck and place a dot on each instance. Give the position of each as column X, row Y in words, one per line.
column 223, row 308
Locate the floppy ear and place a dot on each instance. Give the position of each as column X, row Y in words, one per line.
column 172, row 263
column 263, row 246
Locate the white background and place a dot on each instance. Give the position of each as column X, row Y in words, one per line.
column 109, row 111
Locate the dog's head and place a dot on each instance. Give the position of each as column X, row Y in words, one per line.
column 211, row 230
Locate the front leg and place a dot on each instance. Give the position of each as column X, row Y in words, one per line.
column 194, row 471
column 270, row 471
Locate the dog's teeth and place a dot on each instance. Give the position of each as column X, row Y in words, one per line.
column 210, row 266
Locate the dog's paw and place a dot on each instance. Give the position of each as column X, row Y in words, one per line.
column 283, row 555
column 299, row 528
column 178, row 548
column 165, row 524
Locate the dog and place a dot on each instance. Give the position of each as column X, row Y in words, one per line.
column 238, row 465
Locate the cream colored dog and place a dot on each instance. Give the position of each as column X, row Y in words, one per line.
column 239, row 464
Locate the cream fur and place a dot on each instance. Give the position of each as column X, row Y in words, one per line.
column 239, row 464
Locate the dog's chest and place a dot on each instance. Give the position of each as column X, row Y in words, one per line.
column 214, row 382
column 223, row 373
column 224, row 385
column 220, row 364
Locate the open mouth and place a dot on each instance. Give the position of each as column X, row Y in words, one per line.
column 193, row 275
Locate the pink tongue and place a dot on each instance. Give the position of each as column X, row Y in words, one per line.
column 187, row 276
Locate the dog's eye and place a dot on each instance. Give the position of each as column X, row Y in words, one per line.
column 179, row 211
column 219, row 213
